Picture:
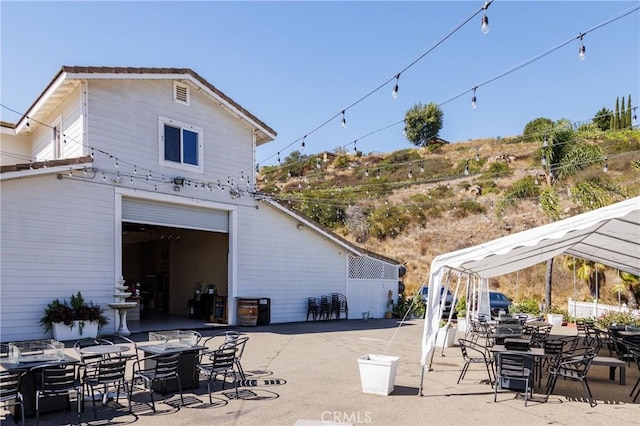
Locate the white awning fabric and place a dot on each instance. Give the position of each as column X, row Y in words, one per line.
column 609, row 235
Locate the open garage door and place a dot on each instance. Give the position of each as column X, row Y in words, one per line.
column 176, row 215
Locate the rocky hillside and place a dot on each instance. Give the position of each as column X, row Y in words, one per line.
column 414, row 204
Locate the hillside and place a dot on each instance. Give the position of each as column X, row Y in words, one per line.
column 414, row 204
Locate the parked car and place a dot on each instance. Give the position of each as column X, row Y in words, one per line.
column 498, row 302
column 448, row 303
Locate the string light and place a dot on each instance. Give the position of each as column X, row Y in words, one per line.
column 404, row 131
column 366, row 172
column 279, row 162
column 355, row 147
column 545, row 142
column 485, row 20
column 135, row 170
column 466, row 168
column 477, row 154
column 581, row 52
column 473, row 99
column 394, row 93
column 410, row 174
column 343, row 123
column 303, row 144
column 606, row 165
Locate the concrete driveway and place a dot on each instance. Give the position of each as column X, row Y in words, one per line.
column 307, row 374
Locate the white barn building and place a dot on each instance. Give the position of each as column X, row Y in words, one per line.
column 148, row 173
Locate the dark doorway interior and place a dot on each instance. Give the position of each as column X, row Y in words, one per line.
column 172, row 266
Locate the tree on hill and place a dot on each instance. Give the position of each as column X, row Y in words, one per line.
column 602, row 119
column 535, row 129
column 423, row 124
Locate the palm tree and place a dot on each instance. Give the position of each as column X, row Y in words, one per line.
column 588, row 271
column 628, row 284
column 563, row 155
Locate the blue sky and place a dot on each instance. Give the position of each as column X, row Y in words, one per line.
column 297, row 64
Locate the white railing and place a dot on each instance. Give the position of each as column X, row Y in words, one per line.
column 594, row 309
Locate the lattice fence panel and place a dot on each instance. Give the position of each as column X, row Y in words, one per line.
column 368, row 268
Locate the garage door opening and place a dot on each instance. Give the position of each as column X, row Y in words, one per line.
column 175, row 273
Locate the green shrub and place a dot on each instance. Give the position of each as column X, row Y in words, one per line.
column 526, row 306
column 610, row 318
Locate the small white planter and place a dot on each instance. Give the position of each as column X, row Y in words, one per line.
column 378, row 373
column 463, row 325
column 444, row 339
column 62, row 332
column 555, row 319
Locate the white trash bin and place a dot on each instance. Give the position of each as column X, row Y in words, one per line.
column 378, row 373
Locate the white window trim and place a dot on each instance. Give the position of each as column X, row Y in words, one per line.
column 175, row 91
column 188, row 167
column 57, row 144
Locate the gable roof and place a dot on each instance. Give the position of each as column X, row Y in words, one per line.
column 65, row 79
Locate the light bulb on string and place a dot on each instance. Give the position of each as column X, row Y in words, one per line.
column 288, row 173
column 303, row 144
column 473, row 99
column 31, row 165
column 410, row 174
column 404, row 131
column 343, row 122
column 279, row 162
column 634, row 119
column 70, row 173
column 394, row 93
column 606, row 165
column 116, row 163
column 355, row 146
column 466, row 169
column 544, row 160
column 378, row 174
column 535, row 181
column 366, row 172
column 318, row 165
column 484, row 28
column 422, row 168
column 545, row 142
column 84, row 171
column 477, row 155
column 582, row 50
column 135, row 170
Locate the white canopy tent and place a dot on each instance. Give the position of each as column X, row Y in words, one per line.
column 609, row 235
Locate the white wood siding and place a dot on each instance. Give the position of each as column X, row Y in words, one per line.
column 52, row 246
column 277, row 260
column 71, row 119
column 370, row 296
column 15, row 149
column 124, row 122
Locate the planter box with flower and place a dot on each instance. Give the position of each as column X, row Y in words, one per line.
column 446, row 336
column 73, row 320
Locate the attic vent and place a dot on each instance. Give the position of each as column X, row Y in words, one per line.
column 181, row 93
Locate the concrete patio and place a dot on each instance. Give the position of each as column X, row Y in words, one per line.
column 307, row 374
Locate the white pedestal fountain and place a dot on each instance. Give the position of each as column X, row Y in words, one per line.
column 122, row 307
